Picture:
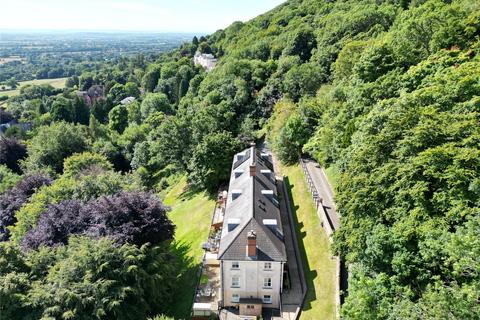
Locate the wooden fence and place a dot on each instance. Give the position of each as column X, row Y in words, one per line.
column 324, row 218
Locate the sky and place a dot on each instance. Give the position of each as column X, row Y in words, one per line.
column 129, row 15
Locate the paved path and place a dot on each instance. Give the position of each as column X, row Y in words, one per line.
column 294, row 295
column 324, row 190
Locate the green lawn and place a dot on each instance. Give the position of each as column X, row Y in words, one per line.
column 315, row 249
column 192, row 214
column 56, row 83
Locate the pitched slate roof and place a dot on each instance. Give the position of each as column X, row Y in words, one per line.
column 252, row 205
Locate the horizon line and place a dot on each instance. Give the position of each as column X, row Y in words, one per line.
column 29, row 30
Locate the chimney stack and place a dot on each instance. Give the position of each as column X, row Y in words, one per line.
column 251, row 244
column 253, row 170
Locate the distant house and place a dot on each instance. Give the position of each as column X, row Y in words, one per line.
column 206, row 60
column 23, row 126
column 94, row 94
column 252, row 249
column 127, row 100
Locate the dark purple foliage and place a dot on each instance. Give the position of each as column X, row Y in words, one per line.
column 5, row 117
column 12, row 151
column 56, row 224
column 11, row 201
column 135, row 218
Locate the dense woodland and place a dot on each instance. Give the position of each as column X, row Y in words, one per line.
column 387, row 93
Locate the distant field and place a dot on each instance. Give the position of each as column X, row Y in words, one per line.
column 10, row 59
column 192, row 214
column 56, row 83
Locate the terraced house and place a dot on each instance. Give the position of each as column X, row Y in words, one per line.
column 252, row 249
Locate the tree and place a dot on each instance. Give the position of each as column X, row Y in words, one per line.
column 134, row 218
column 62, row 109
column 291, row 139
column 204, row 48
column 13, row 200
column 131, row 89
column 64, row 139
column 81, row 111
column 155, row 102
column 72, row 82
column 86, row 81
column 150, row 79
column 12, row 151
column 8, row 179
column 195, row 41
column 169, row 145
column 100, row 110
column 5, row 117
column 96, row 279
column 84, row 163
column 14, row 282
column 211, row 160
column 12, row 83
column 303, row 80
column 117, row 93
column 301, row 43
column 118, row 118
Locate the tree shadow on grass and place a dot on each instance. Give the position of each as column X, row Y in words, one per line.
column 187, row 271
column 191, row 191
column 310, row 275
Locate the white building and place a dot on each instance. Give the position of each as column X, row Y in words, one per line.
column 206, row 60
column 252, row 249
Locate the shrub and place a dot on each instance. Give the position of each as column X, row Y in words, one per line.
column 135, row 218
column 11, row 152
column 14, row 199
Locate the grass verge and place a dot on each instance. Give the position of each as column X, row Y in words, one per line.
column 314, row 245
column 333, row 175
column 192, row 214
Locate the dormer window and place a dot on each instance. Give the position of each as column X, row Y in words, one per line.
column 270, row 224
column 267, row 173
column 240, row 156
column 236, row 193
column 232, row 224
column 269, row 194
column 238, row 173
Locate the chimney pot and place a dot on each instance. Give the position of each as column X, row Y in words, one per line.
column 253, row 170
column 251, row 244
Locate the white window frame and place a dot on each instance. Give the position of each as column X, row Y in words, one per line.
column 267, row 300
column 235, row 265
column 267, row 266
column 267, row 282
column 235, row 279
column 235, row 298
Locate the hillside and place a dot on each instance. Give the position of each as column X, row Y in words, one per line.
column 384, row 94
column 388, row 94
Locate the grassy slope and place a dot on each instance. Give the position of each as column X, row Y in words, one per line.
column 315, row 250
column 192, row 214
column 56, row 83
column 333, row 175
